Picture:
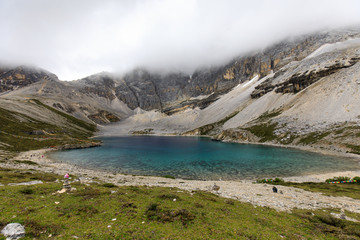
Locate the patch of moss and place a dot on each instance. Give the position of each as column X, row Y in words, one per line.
column 336, row 190
column 206, row 129
column 264, row 131
column 313, row 137
column 268, row 115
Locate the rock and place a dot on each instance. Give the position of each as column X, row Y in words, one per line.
column 26, row 183
column 13, row 231
column 215, row 187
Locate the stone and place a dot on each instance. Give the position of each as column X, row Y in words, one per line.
column 26, row 183
column 215, row 187
column 13, row 231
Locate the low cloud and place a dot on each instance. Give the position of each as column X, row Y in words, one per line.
column 74, row 39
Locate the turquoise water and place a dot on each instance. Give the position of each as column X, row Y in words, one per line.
column 200, row 158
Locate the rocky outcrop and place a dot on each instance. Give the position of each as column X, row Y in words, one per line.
column 103, row 117
column 174, row 92
column 236, row 135
column 22, row 76
column 78, row 146
column 303, row 79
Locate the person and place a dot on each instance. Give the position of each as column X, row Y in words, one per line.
column 274, row 189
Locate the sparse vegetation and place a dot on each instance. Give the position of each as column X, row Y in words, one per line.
column 206, row 129
column 168, row 176
column 337, row 179
column 313, row 137
column 351, row 190
column 269, row 115
column 88, row 126
column 354, row 148
column 109, row 185
column 270, row 180
column 145, row 131
column 20, row 132
column 264, row 131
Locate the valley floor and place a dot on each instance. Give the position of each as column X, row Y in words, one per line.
column 244, row 191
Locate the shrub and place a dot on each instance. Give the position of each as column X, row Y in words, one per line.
column 270, row 180
column 109, row 185
column 279, row 180
column 330, row 220
column 168, row 176
column 27, row 191
column 168, row 196
column 337, row 179
column 357, row 179
column 229, row 201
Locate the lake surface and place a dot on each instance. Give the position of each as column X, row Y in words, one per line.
column 200, row 158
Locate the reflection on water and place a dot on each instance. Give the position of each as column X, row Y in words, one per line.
column 201, row 158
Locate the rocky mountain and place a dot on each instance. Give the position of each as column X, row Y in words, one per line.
column 289, row 93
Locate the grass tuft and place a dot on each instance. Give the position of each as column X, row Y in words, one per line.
column 27, row 191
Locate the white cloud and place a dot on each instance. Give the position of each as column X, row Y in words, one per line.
column 74, row 39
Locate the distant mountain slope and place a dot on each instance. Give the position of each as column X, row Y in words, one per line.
column 30, row 124
column 314, row 101
column 294, row 92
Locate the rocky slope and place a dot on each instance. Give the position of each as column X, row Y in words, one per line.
column 175, row 92
column 294, row 92
column 313, row 101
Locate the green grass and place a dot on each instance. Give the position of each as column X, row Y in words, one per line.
column 264, row 131
column 206, row 129
column 351, row 190
column 100, row 212
column 313, row 137
column 16, row 176
column 269, row 115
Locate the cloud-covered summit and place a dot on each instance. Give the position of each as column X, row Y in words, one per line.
column 77, row 38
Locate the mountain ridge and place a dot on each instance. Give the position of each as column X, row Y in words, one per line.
column 263, row 96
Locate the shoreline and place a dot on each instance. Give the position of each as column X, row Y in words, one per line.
column 241, row 190
column 319, row 177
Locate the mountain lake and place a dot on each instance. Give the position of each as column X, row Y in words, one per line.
column 201, row 158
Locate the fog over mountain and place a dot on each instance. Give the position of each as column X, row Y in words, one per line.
column 74, row 39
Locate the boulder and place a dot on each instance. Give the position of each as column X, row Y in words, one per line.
column 13, row 231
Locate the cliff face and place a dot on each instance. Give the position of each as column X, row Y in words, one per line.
column 14, row 78
column 174, row 92
column 104, row 97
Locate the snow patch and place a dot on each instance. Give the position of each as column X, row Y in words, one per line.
column 201, row 97
column 330, row 47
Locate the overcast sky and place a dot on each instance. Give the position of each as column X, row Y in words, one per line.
column 77, row 38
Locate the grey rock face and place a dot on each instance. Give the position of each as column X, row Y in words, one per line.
column 172, row 92
column 26, row 183
column 22, row 76
column 13, row 231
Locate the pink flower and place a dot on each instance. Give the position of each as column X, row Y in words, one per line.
column 66, row 175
